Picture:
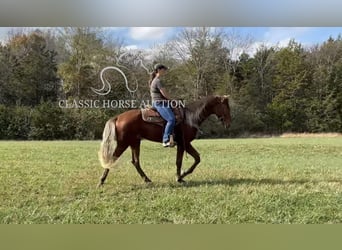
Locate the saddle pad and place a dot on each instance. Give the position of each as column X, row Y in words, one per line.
column 151, row 115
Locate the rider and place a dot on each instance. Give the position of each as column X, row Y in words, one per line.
column 160, row 100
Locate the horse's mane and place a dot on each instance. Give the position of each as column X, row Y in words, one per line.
column 194, row 110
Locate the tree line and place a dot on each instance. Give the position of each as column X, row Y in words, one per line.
column 272, row 91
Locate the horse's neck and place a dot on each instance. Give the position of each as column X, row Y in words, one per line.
column 197, row 117
column 204, row 115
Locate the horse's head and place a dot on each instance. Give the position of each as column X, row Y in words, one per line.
column 221, row 110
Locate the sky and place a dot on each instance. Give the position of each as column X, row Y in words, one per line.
column 147, row 37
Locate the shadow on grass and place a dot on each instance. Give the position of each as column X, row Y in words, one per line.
column 245, row 181
column 230, row 182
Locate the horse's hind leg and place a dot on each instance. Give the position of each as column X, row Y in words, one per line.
column 117, row 153
column 103, row 177
column 136, row 162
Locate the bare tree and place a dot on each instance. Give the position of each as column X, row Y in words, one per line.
column 237, row 44
column 196, row 49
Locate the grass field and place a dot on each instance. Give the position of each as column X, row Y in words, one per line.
column 269, row 180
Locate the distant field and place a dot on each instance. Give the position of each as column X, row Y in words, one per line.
column 269, row 180
column 311, row 135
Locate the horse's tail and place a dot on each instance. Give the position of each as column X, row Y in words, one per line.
column 108, row 145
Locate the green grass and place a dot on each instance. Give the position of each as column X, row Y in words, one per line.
column 274, row 180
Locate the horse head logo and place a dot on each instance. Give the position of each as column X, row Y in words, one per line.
column 106, row 86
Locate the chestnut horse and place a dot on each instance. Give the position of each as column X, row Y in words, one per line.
column 128, row 129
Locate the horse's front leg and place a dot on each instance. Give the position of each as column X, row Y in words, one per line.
column 190, row 149
column 179, row 161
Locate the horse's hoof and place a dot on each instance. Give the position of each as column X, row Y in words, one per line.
column 147, row 180
column 181, row 181
column 100, row 185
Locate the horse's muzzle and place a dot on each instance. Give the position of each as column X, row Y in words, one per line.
column 226, row 124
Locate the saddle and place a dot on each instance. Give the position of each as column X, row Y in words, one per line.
column 151, row 115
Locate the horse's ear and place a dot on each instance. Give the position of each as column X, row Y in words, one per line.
column 225, row 97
